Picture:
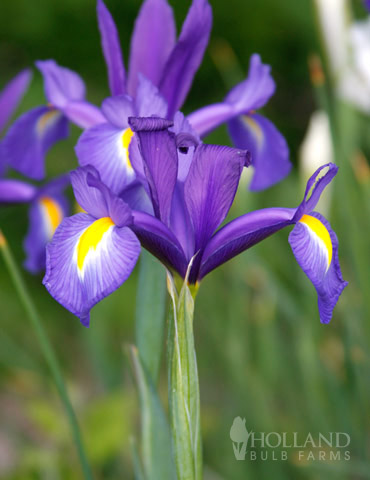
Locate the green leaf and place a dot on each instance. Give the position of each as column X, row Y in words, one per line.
column 138, row 470
column 183, row 385
column 156, row 437
column 150, row 313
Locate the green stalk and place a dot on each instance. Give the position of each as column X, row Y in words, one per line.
column 47, row 351
column 183, row 384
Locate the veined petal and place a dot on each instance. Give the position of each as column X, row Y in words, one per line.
column 11, row 95
column 247, row 96
column 16, row 191
column 152, row 41
column 241, row 234
column 270, row 152
column 159, row 154
column 106, row 147
column 87, row 260
column 83, row 114
column 112, row 50
column 160, row 241
column 62, row 85
column 187, row 55
column 315, row 247
column 45, row 215
column 210, row 187
column 30, row 137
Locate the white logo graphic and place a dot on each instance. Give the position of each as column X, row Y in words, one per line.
column 329, row 446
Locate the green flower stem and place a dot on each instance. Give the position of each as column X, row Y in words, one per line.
column 47, row 350
column 183, row 384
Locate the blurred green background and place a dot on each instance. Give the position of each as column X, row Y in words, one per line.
column 262, row 352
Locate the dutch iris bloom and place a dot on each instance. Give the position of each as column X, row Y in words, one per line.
column 48, row 207
column 171, row 68
column 155, row 54
column 35, row 132
column 191, row 188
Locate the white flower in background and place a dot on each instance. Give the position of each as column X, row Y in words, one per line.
column 334, row 22
column 348, row 47
column 316, row 150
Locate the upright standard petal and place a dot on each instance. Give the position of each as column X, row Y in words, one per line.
column 45, row 215
column 62, row 85
column 315, row 247
column 187, row 55
column 159, row 154
column 210, row 187
column 152, row 42
column 269, row 149
column 87, row 260
column 30, row 137
column 247, row 96
column 16, row 191
column 11, row 95
column 112, row 50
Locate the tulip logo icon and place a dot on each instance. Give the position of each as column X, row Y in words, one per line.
column 239, row 436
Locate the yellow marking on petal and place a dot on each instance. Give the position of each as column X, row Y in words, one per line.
column 253, row 125
column 53, row 213
column 91, row 238
column 321, row 231
column 45, row 120
column 126, row 140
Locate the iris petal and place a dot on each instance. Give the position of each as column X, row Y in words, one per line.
column 106, row 265
column 315, row 247
column 152, row 42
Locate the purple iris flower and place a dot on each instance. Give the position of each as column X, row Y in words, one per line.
column 10, row 97
column 48, row 207
column 191, row 188
column 155, row 54
column 172, row 67
column 248, row 129
column 367, row 4
column 33, row 133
